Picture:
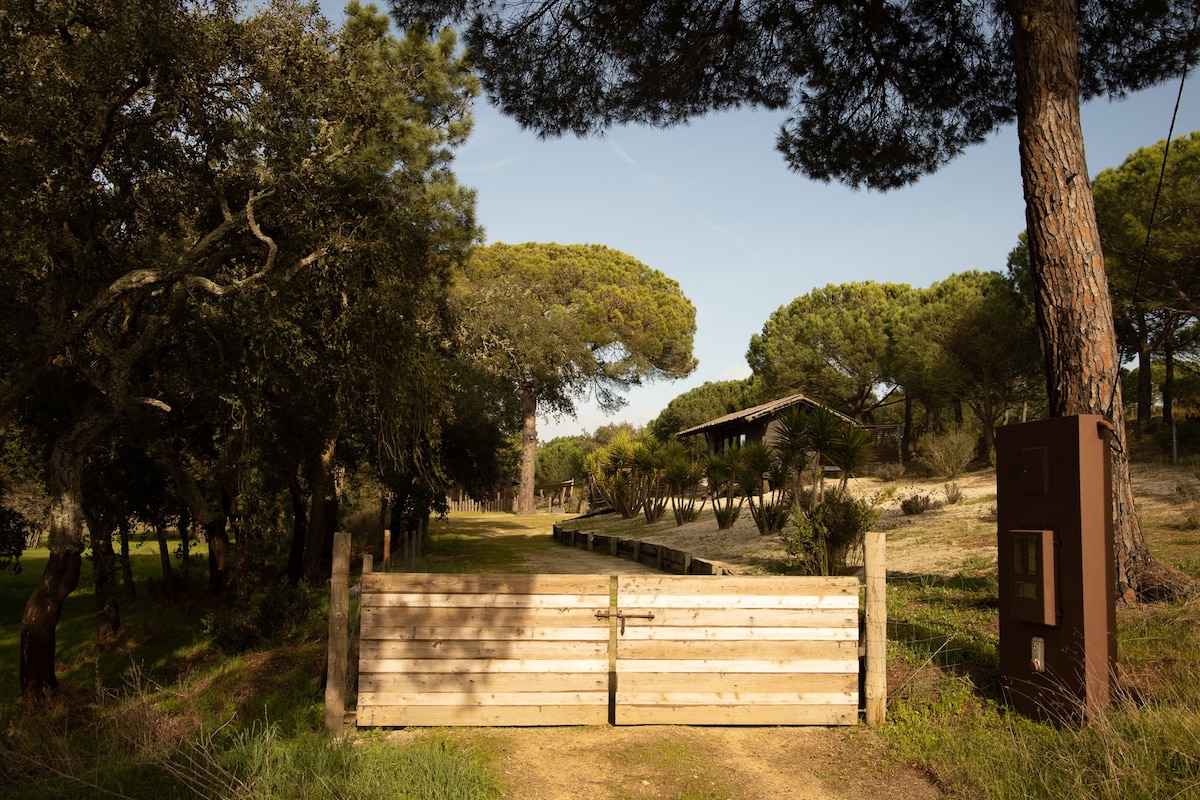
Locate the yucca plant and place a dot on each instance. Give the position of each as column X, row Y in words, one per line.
column 682, row 476
column 648, row 464
column 760, row 464
column 721, row 471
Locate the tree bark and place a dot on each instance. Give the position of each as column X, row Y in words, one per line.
column 39, row 622
column 164, row 558
column 216, row 531
column 1074, row 312
column 322, row 519
column 525, row 501
column 126, row 565
column 299, row 530
column 104, row 578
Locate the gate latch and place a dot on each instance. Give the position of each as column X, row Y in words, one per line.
column 621, row 615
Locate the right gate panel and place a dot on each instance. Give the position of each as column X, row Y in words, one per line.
column 737, row 650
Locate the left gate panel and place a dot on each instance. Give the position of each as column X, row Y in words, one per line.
column 483, row 650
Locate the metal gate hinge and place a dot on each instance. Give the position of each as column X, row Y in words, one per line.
column 621, row 615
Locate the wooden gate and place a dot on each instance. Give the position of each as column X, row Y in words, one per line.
column 590, row 649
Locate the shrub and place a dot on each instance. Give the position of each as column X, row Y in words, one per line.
column 917, row 504
column 271, row 614
column 954, row 493
column 889, row 472
column 946, row 456
column 825, row 534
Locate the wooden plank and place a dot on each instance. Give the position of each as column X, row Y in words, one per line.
column 731, row 682
column 746, row 634
column 403, row 582
column 402, row 716
column 535, row 698
column 637, row 602
column 501, row 603
column 736, row 715
column 741, row 585
column 484, row 617
column 485, row 665
column 594, row 633
column 452, row 649
column 705, row 649
column 483, row 681
column 748, row 617
column 783, row 698
column 797, row 666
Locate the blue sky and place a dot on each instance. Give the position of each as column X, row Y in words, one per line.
column 712, row 205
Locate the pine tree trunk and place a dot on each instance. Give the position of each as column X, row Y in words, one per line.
column 525, row 503
column 1074, row 312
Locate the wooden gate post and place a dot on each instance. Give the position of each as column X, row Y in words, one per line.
column 875, row 566
column 339, row 638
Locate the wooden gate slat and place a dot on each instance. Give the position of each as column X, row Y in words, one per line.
column 687, row 666
column 530, row 650
column 483, row 650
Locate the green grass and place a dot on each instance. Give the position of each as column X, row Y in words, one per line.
column 165, row 712
column 947, row 718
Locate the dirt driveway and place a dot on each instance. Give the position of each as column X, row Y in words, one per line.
column 676, row 762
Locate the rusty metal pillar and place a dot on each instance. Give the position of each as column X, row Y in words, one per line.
column 1058, row 646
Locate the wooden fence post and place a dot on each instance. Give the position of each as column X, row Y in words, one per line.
column 875, row 566
column 339, row 641
column 368, row 564
column 387, row 550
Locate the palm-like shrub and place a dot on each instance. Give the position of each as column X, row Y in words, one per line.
column 682, row 476
column 649, row 462
column 721, row 472
column 610, row 471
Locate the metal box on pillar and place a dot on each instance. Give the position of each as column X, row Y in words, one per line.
column 1058, row 646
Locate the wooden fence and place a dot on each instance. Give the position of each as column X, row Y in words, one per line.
column 660, row 557
column 570, row 649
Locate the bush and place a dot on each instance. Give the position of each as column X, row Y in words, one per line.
column 946, row 456
column 954, row 493
column 917, row 504
column 270, row 614
column 825, row 534
column 889, row 472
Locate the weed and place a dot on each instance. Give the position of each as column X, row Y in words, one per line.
column 954, row 494
column 917, row 503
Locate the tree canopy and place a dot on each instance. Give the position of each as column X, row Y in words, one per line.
column 228, row 233
column 560, row 321
column 879, row 94
column 829, row 344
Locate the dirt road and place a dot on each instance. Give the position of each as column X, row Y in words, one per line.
column 676, row 762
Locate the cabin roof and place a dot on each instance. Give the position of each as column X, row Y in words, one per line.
column 758, row 412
